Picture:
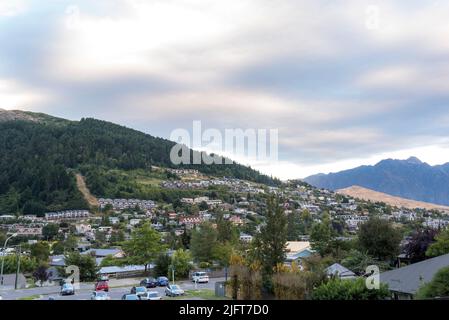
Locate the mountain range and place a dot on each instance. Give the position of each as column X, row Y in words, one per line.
column 409, row 179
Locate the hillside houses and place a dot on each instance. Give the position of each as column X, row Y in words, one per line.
column 190, row 222
column 67, row 215
column 122, row 204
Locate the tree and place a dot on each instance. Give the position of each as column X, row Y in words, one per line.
column 222, row 253
column 294, row 227
column 185, row 238
column 163, row 262
column 27, row 264
column 144, row 246
column 357, row 261
column 50, row 231
column 269, row 246
column 41, row 274
column 379, row 238
column 438, row 287
column 203, row 206
column 203, row 241
column 441, row 245
column 86, row 263
column 337, row 289
column 40, row 251
column 181, row 261
column 227, row 232
column 322, row 235
column 417, row 247
column 110, row 261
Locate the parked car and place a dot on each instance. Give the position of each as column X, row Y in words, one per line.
column 99, row 295
column 67, row 289
column 139, row 291
column 130, row 297
column 102, row 286
column 200, row 277
column 149, row 283
column 151, row 295
column 173, row 290
column 162, row 281
column 104, row 277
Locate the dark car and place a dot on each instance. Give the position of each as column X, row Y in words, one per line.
column 149, row 283
column 162, row 281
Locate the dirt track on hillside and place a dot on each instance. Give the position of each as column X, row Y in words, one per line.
column 81, row 184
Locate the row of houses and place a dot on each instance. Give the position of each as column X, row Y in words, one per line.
column 122, row 204
column 67, row 215
column 198, row 200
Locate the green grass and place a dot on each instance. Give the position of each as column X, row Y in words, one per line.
column 33, row 297
column 201, row 293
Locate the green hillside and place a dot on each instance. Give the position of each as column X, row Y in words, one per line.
column 38, row 157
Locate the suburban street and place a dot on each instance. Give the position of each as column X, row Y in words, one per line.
column 117, row 289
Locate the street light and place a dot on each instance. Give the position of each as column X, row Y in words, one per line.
column 3, row 255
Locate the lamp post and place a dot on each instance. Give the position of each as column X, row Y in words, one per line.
column 3, row 256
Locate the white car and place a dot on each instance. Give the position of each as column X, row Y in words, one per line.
column 200, row 277
column 99, row 295
column 151, row 295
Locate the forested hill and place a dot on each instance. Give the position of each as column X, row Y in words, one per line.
column 38, row 154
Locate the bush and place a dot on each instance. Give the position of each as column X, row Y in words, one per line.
column 337, row 289
column 438, row 287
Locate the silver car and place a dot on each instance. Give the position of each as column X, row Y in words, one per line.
column 99, row 295
column 151, row 295
column 173, row 290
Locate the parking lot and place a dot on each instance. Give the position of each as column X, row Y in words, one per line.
column 117, row 288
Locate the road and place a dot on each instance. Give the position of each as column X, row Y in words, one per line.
column 116, row 291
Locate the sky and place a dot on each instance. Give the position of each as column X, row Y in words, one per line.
column 345, row 83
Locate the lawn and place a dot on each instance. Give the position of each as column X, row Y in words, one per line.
column 203, row 294
column 33, row 297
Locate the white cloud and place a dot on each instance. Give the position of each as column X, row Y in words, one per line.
column 13, row 95
column 11, row 8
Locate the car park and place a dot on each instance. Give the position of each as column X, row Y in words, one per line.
column 173, row 290
column 200, row 277
column 99, row 295
column 149, row 283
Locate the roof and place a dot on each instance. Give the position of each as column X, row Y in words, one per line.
column 116, row 269
column 300, row 254
column 58, row 260
column 297, row 246
column 338, row 270
column 103, row 252
column 410, row 278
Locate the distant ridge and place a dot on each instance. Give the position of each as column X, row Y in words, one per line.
column 409, row 179
column 374, row 196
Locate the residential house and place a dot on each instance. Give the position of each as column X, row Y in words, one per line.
column 405, row 282
column 337, row 270
column 297, row 250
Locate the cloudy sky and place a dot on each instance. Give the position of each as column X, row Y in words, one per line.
column 345, row 82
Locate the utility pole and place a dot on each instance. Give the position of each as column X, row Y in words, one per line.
column 18, row 267
column 173, row 274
